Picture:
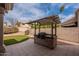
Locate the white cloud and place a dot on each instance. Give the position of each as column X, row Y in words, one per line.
column 74, row 5
column 20, row 9
column 62, row 16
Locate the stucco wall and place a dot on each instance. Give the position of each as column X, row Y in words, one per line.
column 70, row 34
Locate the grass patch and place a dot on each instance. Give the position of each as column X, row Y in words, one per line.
column 9, row 40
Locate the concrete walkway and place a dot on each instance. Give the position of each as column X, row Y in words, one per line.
column 69, row 42
column 28, row 48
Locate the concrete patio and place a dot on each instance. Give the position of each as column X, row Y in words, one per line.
column 28, row 48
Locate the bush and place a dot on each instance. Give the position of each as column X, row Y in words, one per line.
column 9, row 30
column 27, row 32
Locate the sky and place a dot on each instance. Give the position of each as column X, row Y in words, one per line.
column 32, row 11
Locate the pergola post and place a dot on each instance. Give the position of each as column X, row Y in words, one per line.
column 35, row 29
column 52, row 29
column 39, row 27
column 55, row 29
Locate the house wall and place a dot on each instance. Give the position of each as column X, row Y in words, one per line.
column 77, row 16
column 74, row 21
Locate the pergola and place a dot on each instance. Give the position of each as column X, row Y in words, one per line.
column 4, row 7
column 42, row 38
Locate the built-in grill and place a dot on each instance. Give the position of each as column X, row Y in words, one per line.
column 43, row 35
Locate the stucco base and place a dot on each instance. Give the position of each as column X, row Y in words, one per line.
column 2, row 50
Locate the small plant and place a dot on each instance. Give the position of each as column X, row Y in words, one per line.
column 18, row 23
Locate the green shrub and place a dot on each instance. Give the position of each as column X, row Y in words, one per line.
column 27, row 32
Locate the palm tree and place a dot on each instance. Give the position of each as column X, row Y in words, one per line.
column 63, row 6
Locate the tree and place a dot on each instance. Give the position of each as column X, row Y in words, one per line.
column 18, row 23
column 63, row 6
column 5, row 23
